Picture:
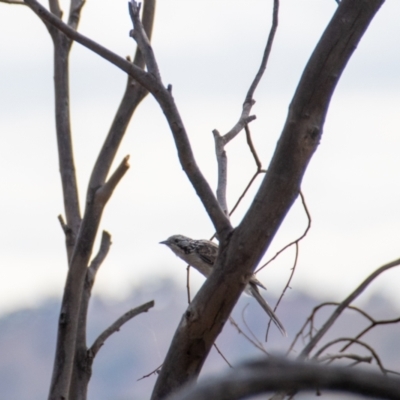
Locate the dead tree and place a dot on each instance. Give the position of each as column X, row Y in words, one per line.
column 241, row 247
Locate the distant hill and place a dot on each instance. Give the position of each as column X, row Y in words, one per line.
column 27, row 340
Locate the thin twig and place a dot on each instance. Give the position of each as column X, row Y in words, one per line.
column 155, row 371
column 188, row 283
column 116, row 326
column 244, row 120
column 167, row 104
column 304, row 234
column 253, row 149
column 372, row 325
column 248, row 327
column 352, row 341
column 356, row 357
column 310, row 320
column 287, row 286
column 223, row 357
column 267, row 52
column 241, row 197
column 240, row 331
column 313, row 342
column 296, row 243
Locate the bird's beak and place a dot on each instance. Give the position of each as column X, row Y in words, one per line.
column 164, row 242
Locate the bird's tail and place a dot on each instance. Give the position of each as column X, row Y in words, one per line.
column 256, row 294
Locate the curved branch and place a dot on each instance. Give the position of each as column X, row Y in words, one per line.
column 244, row 120
column 168, row 106
column 352, row 341
column 271, row 374
column 267, row 52
column 116, row 326
column 240, row 252
column 343, row 305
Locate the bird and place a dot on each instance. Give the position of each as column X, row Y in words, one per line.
column 202, row 254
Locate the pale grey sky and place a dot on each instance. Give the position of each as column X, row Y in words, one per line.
column 209, row 51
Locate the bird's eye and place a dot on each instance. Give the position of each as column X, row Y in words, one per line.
column 176, row 240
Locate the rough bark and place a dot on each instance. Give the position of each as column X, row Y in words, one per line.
column 242, row 250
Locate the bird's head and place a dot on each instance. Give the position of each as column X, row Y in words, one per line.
column 177, row 242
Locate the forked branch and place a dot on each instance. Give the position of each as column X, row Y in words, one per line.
column 167, row 104
column 245, row 118
column 240, row 254
column 342, row 306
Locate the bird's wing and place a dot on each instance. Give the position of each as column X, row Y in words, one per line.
column 208, row 251
column 256, row 294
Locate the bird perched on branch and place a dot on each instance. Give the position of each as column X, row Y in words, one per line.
column 201, row 254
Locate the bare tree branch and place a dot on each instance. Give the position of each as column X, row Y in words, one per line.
column 116, row 326
column 134, row 94
column 220, row 142
column 85, row 357
column 155, row 371
column 20, row 2
column 244, row 120
column 222, row 355
column 254, row 342
column 241, row 197
column 139, row 34
column 55, row 8
column 240, row 253
column 64, row 139
column 355, row 357
column 294, row 242
column 105, row 192
column 64, row 226
column 75, row 13
column 267, row 52
column 102, row 253
column 222, row 162
column 167, row 104
column 253, row 149
column 66, row 341
column 352, row 341
column 148, row 13
column 71, row 342
column 270, row 374
column 71, row 319
column 373, row 324
column 345, row 303
column 188, row 283
column 137, row 73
